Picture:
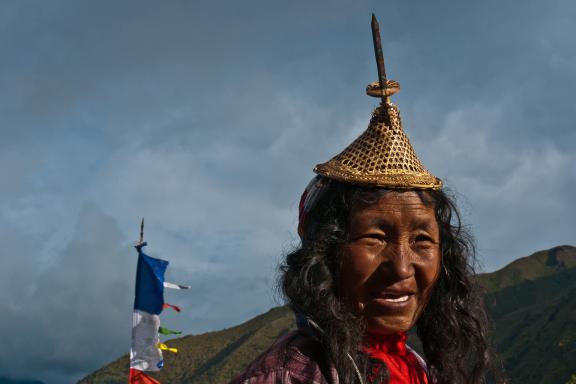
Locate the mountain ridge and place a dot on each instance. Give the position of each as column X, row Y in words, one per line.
column 537, row 265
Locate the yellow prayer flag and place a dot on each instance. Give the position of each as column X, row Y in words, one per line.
column 164, row 347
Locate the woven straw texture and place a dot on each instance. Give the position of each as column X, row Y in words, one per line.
column 382, row 156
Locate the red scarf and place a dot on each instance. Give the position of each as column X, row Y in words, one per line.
column 402, row 365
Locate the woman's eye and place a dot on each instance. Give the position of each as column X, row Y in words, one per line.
column 373, row 238
column 423, row 238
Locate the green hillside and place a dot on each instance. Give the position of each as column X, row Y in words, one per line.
column 533, row 267
column 532, row 302
column 212, row 357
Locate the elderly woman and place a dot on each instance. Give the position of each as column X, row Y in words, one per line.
column 382, row 252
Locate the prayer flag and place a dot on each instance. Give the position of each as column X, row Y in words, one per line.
column 144, row 355
column 164, row 347
column 150, row 284
column 148, row 303
column 139, row 377
column 174, row 307
column 175, row 286
column 146, row 349
column 166, row 331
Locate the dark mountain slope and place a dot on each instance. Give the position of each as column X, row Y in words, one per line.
column 536, row 328
column 5, row 380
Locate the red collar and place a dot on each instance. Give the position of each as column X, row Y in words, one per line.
column 403, row 366
column 393, row 344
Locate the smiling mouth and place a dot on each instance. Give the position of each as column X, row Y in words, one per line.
column 397, row 299
column 392, row 300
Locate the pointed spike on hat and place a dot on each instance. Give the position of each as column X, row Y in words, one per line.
column 381, row 156
column 379, row 58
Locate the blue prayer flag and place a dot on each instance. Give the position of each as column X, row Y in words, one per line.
column 150, row 284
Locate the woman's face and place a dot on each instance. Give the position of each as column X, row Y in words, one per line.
column 391, row 261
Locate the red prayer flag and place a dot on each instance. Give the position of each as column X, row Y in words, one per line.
column 139, row 377
column 166, row 305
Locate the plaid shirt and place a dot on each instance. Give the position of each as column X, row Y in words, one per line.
column 296, row 358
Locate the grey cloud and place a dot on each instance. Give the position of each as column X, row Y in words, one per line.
column 512, row 191
column 72, row 313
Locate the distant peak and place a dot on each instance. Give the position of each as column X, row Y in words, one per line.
column 563, row 256
column 539, row 264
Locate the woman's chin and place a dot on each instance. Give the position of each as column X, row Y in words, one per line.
column 387, row 318
column 388, row 325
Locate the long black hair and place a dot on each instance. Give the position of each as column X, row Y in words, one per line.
column 452, row 327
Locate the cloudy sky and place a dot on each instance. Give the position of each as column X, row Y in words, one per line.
column 207, row 117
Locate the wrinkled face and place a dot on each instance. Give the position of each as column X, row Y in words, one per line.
column 391, row 261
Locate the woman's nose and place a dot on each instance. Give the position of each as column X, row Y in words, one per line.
column 397, row 259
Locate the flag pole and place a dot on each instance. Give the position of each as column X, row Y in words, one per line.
column 141, row 232
column 141, row 242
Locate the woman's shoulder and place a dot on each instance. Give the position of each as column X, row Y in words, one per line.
column 296, row 357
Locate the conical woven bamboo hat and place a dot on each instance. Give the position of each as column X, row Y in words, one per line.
column 381, row 156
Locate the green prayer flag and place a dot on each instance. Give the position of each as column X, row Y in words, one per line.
column 166, row 331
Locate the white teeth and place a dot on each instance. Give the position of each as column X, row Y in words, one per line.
column 400, row 299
